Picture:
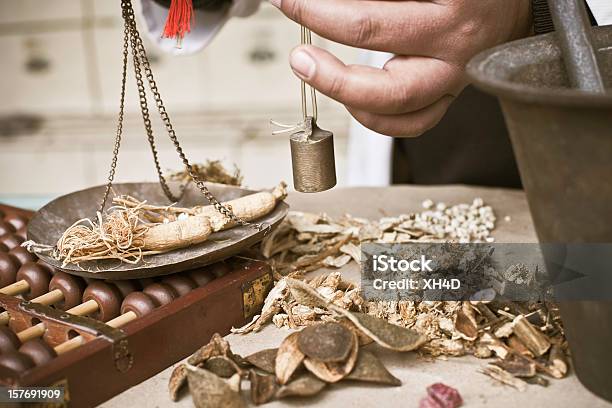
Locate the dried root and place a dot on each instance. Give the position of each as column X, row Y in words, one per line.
column 132, row 229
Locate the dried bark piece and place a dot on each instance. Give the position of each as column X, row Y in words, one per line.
column 304, row 294
column 495, row 345
column 440, row 395
column 210, row 391
column 465, row 327
column 221, row 366
column 264, row 359
column 216, row 347
column 327, row 342
column 517, row 365
column 482, row 351
column 515, row 344
column 334, row 372
column 263, row 387
column 288, row 358
column 534, row 340
column 304, row 385
column 537, row 380
column 369, row 368
column 178, row 379
column 504, row 377
column 558, row 360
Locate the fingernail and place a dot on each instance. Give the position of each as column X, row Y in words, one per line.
column 275, row 3
column 303, row 64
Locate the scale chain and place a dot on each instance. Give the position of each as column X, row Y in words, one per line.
column 141, row 61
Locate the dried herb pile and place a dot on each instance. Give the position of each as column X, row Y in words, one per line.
column 212, row 171
column 304, row 363
column 306, row 241
column 526, row 339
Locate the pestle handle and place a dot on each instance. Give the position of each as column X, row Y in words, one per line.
column 574, row 35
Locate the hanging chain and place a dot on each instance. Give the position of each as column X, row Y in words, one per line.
column 141, row 61
column 306, row 38
column 113, row 167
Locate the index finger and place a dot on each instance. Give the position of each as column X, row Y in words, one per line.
column 371, row 24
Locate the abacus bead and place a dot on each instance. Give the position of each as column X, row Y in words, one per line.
column 107, row 297
column 3, row 248
column 161, row 293
column 6, row 228
column 8, row 340
column 219, row 269
column 181, row 284
column 125, row 286
column 139, row 303
column 38, row 279
column 11, row 240
column 201, row 276
column 51, row 269
column 23, row 232
column 17, row 221
column 16, row 361
column 8, row 269
column 72, row 288
column 1, row 214
column 145, row 282
column 39, row 351
column 23, row 255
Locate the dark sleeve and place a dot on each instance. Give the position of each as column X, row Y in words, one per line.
column 542, row 20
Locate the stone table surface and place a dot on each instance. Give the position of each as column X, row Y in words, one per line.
column 415, row 372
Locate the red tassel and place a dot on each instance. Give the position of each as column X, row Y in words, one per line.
column 178, row 22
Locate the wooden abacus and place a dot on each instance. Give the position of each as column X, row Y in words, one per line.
column 55, row 328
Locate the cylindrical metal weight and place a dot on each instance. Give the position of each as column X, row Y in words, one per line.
column 312, row 157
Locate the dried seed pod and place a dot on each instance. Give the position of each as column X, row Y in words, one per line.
column 264, row 359
column 326, row 342
column 210, row 391
column 369, row 368
column 216, row 347
column 386, row 334
column 304, row 385
column 363, row 338
column 288, row 358
column 334, row 372
column 178, row 379
column 221, row 366
column 263, row 387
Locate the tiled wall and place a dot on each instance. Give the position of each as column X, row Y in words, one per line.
column 60, row 73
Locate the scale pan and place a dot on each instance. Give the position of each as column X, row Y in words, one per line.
column 50, row 222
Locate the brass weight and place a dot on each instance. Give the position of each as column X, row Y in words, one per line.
column 312, row 158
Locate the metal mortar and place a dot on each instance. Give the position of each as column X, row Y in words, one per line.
column 562, row 140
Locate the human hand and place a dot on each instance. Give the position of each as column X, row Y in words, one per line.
column 432, row 41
